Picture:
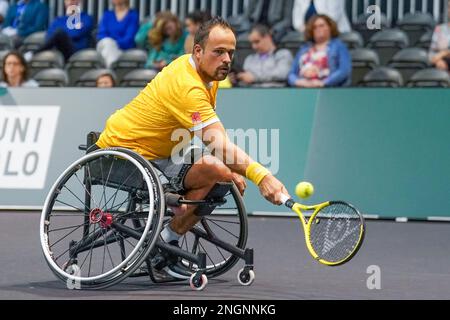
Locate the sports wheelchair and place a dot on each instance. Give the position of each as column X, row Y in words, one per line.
column 102, row 219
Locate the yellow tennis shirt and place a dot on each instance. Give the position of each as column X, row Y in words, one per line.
column 176, row 99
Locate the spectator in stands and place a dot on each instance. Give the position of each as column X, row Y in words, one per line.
column 164, row 39
column 105, row 80
column 268, row 66
column 4, row 5
column 69, row 33
column 193, row 22
column 117, row 30
column 305, row 9
column 275, row 14
column 325, row 60
column 24, row 18
column 15, row 72
column 440, row 45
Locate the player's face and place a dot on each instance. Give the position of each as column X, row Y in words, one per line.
column 215, row 59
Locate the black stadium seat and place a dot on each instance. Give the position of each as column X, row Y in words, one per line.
column 45, row 60
column 138, row 78
column 52, row 78
column 430, row 78
column 5, row 42
column 361, row 26
column 425, row 40
column 128, row 61
column 89, row 78
column 363, row 61
column 33, row 42
column 352, row 39
column 243, row 49
column 387, row 43
column 293, row 41
column 416, row 24
column 410, row 60
column 383, row 77
column 83, row 61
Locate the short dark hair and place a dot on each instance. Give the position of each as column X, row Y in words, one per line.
column 202, row 34
column 262, row 29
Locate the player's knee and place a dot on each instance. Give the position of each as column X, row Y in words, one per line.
column 216, row 170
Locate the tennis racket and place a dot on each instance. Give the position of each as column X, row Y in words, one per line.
column 334, row 231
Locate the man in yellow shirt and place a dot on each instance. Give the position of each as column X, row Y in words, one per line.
column 182, row 100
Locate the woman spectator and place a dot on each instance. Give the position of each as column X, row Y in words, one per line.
column 164, row 39
column 193, row 22
column 15, row 72
column 325, row 60
column 117, row 30
column 440, row 46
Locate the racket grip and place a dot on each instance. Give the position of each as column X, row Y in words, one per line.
column 288, row 202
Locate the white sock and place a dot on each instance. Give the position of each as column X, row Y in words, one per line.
column 169, row 235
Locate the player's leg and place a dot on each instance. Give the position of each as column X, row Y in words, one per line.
column 198, row 181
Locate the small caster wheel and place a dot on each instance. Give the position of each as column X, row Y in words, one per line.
column 198, row 282
column 246, row 277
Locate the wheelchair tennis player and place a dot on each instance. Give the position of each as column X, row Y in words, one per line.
column 183, row 96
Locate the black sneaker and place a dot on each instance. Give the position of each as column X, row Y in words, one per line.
column 163, row 258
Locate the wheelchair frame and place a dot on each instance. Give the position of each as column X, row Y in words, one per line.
column 198, row 277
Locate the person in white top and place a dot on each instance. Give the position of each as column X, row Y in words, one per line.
column 15, row 72
column 335, row 9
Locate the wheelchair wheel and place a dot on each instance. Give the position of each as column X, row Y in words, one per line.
column 228, row 223
column 101, row 218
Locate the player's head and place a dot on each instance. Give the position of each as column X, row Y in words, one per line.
column 214, row 46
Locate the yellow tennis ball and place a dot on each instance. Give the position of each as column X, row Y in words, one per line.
column 304, row 189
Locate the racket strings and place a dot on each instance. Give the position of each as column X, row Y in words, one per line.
column 335, row 232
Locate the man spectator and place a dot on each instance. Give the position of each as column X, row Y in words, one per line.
column 305, row 9
column 268, row 66
column 24, row 18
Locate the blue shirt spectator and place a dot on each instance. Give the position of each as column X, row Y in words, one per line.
column 27, row 17
column 123, row 31
column 80, row 35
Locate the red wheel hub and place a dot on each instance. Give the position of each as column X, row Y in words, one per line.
column 103, row 218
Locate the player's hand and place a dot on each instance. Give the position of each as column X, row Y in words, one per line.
column 240, row 183
column 271, row 189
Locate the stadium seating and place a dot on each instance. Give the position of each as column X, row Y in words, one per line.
column 361, row 26
column 408, row 61
column 243, row 49
column 52, row 78
column 138, row 78
column 415, row 25
column 382, row 77
column 6, row 42
column 83, row 61
column 352, row 39
column 44, row 60
column 425, row 40
column 33, row 42
column 430, row 78
column 387, row 43
column 292, row 41
column 128, row 61
column 89, row 78
column 363, row 61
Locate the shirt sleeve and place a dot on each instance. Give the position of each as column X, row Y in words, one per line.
column 194, row 112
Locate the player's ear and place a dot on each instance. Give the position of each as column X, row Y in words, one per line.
column 197, row 51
